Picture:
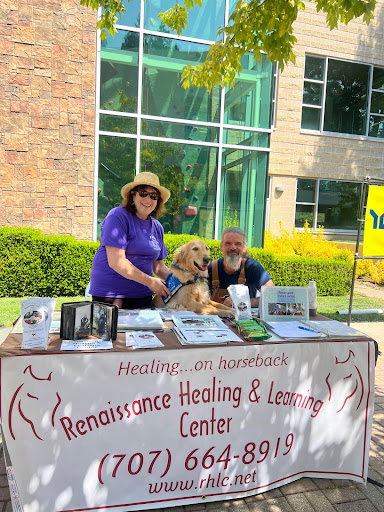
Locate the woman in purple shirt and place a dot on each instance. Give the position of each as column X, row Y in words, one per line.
column 132, row 247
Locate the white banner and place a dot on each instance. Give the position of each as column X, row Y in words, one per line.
column 107, row 431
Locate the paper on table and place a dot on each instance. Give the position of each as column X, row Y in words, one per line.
column 140, row 319
column 142, row 339
column 166, row 314
column 90, row 344
column 292, row 330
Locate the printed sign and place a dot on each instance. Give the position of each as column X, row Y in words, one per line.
column 374, row 223
column 140, row 430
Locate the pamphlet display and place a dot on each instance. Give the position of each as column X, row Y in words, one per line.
column 84, row 320
column 36, row 317
column 284, row 303
column 205, row 329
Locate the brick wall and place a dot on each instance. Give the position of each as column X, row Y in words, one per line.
column 329, row 157
column 47, row 112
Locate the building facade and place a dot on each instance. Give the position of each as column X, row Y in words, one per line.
column 329, row 131
column 80, row 117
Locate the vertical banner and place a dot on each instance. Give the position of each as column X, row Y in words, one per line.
column 374, row 223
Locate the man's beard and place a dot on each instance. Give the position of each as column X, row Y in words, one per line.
column 233, row 261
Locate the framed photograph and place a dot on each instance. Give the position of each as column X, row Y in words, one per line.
column 284, row 303
column 84, row 320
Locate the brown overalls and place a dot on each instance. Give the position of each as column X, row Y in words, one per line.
column 220, row 294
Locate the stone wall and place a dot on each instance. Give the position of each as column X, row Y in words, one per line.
column 47, row 111
column 319, row 156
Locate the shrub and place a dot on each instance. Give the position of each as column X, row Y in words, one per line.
column 33, row 264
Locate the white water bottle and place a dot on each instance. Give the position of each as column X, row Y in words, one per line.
column 312, row 298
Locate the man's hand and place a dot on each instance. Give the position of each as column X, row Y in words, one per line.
column 228, row 302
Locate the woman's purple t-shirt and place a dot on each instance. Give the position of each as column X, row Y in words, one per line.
column 143, row 243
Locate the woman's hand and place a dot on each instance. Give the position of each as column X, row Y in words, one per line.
column 158, row 287
column 119, row 263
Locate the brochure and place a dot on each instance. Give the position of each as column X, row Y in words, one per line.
column 36, row 317
column 292, row 330
column 173, row 284
column 142, row 339
column 284, row 303
column 139, row 319
column 88, row 344
column 84, row 320
column 166, row 314
column 198, row 321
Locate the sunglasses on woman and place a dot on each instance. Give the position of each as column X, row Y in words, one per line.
column 153, row 195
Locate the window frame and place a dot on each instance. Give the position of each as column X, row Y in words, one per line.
column 316, row 206
column 321, row 107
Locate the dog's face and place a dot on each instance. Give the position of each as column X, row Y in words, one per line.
column 193, row 256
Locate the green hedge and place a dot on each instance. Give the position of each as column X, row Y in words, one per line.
column 34, row 264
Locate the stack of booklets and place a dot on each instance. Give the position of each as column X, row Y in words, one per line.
column 202, row 329
column 139, row 320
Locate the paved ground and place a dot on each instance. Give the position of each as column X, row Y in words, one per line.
column 307, row 494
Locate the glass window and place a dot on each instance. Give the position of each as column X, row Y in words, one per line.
column 346, row 97
column 246, row 138
column 118, row 124
column 310, row 118
column 117, row 164
column 314, row 68
column 163, row 94
column 306, row 191
column 304, row 213
column 339, row 204
column 248, row 102
column 336, row 207
column 190, row 172
column 203, row 22
column 345, row 108
column 378, row 79
column 312, row 93
column 131, row 16
column 118, row 74
column 181, row 131
column 377, row 102
column 243, row 191
column 376, row 126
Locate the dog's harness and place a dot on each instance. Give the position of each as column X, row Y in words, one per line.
column 174, row 285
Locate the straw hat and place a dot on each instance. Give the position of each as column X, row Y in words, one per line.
column 149, row 179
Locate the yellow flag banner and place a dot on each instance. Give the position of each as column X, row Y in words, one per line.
column 374, row 223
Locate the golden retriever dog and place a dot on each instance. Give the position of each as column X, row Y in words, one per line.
column 190, row 267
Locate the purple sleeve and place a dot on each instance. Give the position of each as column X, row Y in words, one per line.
column 115, row 231
column 160, row 237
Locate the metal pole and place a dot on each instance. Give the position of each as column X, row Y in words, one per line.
column 360, row 221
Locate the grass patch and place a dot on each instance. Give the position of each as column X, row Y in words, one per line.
column 328, row 306
column 10, row 308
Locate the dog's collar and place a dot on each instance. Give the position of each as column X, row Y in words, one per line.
column 191, row 281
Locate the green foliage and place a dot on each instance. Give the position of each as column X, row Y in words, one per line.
column 230, row 221
column 254, row 26
column 33, row 264
column 112, row 9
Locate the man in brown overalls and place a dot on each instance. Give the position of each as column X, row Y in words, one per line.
column 236, row 267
